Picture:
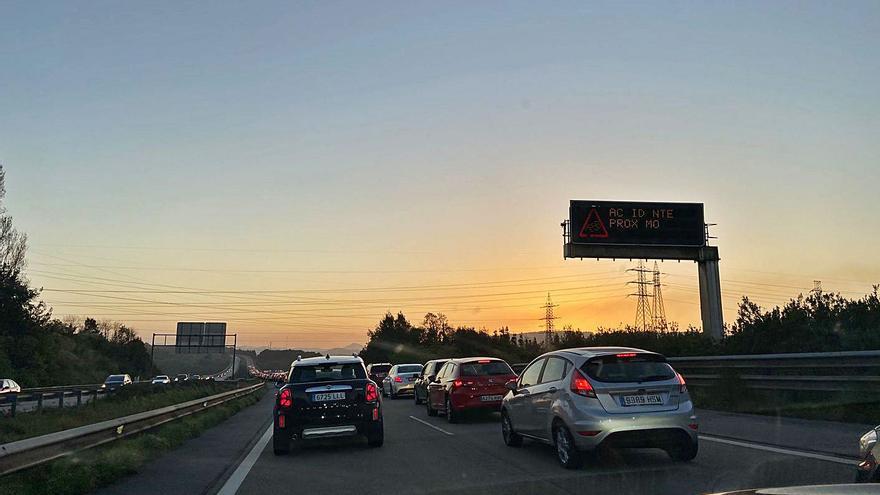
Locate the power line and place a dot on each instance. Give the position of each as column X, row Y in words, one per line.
column 643, row 309
column 658, row 311
column 548, row 320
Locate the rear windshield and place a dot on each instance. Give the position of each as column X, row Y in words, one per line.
column 327, row 373
column 415, row 368
column 476, row 368
column 116, row 378
column 380, row 368
column 638, row 368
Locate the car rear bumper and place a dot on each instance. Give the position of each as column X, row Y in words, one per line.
column 461, row 402
column 658, row 429
column 329, row 432
column 403, row 388
column 366, row 422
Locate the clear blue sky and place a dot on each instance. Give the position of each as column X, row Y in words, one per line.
column 434, row 136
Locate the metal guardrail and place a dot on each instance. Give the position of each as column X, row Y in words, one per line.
column 854, row 371
column 29, row 452
column 850, row 371
column 9, row 403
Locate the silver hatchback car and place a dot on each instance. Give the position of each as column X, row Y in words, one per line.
column 581, row 399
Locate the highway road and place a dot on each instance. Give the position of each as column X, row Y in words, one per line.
column 428, row 455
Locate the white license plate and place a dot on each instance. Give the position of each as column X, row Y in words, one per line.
column 642, row 400
column 329, row 396
column 491, row 398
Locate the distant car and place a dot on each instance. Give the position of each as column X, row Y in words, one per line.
column 181, row 377
column 116, row 381
column 429, row 372
column 328, row 396
column 580, row 399
column 400, row 379
column 465, row 384
column 8, row 386
column 160, row 380
column 196, row 377
column 867, row 469
column 378, row 371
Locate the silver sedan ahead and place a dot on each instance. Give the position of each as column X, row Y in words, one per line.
column 585, row 398
column 400, row 380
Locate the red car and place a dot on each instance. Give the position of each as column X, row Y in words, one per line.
column 465, row 384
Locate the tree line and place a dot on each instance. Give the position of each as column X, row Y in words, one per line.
column 816, row 322
column 37, row 349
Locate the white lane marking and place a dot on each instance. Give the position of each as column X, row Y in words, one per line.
column 429, row 425
column 234, row 482
column 780, row 450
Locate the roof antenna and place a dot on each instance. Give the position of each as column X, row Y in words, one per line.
column 299, row 357
column 328, row 356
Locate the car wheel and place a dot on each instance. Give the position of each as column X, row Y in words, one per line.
column 685, row 451
column 431, row 410
column 451, row 415
column 391, row 392
column 377, row 438
column 566, row 451
column 416, row 397
column 280, row 443
column 511, row 437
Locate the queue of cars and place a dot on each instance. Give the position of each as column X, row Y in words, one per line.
column 575, row 400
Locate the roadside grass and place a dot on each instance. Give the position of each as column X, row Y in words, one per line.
column 846, row 408
column 131, row 400
column 91, row 469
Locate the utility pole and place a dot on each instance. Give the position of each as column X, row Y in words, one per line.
column 548, row 320
column 644, row 319
column 658, row 311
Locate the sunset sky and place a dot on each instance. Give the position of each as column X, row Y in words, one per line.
column 299, row 168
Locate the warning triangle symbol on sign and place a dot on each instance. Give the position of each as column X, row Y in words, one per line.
column 593, row 227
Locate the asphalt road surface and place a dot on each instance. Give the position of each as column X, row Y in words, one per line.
column 428, row 455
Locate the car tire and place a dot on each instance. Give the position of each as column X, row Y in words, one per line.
column 416, row 397
column 431, row 410
column 376, row 438
column 451, row 415
column 391, row 392
column 280, row 444
column 567, row 453
column 685, row 451
column 511, row 437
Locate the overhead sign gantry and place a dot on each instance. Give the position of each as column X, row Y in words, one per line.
column 648, row 230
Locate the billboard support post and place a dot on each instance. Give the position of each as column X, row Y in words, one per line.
column 234, row 346
column 710, row 298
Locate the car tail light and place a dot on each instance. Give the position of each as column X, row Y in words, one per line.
column 376, row 414
column 398, row 379
column 626, row 355
column 484, row 361
column 282, row 421
column 285, row 399
column 457, row 383
column 371, row 394
column 682, row 386
column 580, row 385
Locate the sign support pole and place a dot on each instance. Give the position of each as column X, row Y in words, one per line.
column 710, row 294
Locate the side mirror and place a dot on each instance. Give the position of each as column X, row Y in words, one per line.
column 511, row 385
column 432, row 378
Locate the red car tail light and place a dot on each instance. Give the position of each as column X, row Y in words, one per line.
column 580, row 385
column 371, row 394
column 285, row 399
column 682, row 386
column 282, row 421
column 398, row 379
column 626, row 355
column 457, row 383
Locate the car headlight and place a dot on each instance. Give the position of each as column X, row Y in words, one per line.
column 867, row 442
